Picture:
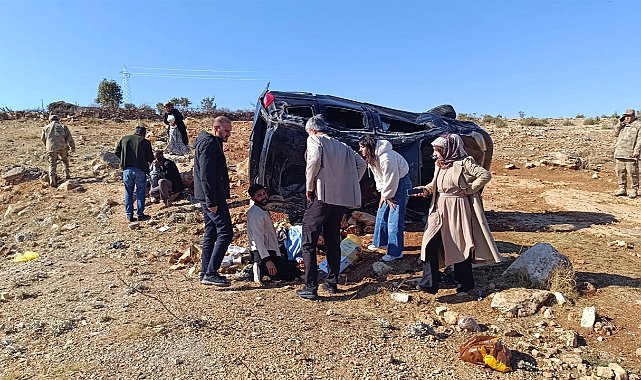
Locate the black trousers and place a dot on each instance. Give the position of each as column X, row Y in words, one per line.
column 216, row 239
column 462, row 271
column 326, row 218
column 285, row 269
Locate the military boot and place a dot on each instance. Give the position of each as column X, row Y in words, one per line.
column 633, row 193
column 620, row 192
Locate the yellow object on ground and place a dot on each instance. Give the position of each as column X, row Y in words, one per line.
column 26, row 256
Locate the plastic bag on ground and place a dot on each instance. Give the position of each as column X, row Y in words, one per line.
column 486, row 350
column 26, row 256
column 350, row 252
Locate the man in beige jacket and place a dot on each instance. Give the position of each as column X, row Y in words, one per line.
column 58, row 141
column 626, row 152
column 333, row 171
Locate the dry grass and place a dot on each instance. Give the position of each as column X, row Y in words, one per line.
column 563, row 280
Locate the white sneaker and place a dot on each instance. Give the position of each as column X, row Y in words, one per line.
column 372, row 247
column 388, row 258
column 258, row 278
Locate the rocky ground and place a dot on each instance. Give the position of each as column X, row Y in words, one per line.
column 101, row 301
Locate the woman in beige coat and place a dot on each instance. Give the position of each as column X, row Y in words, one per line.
column 457, row 232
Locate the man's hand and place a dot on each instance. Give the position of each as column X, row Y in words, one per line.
column 271, row 268
column 213, row 209
column 391, row 202
column 380, row 203
column 310, row 196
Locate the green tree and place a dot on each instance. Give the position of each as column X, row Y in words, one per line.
column 521, row 114
column 182, row 103
column 208, row 104
column 109, row 94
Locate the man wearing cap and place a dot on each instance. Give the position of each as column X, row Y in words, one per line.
column 58, row 141
column 332, row 174
column 135, row 157
column 178, row 120
column 626, row 152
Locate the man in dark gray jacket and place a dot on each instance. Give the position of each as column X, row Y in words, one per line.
column 135, row 156
column 211, row 189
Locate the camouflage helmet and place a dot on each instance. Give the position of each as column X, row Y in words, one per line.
column 54, row 118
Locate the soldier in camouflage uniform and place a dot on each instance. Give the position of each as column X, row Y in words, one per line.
column 626, row 152
column 57, row 139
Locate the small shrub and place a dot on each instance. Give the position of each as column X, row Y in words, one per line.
column 591, row 121
column 563, row 280
column 567, row 122
column 534, row 122
column 580, row 116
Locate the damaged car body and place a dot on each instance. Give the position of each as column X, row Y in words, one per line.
column 278, row 141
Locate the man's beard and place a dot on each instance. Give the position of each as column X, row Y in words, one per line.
column 264, row 202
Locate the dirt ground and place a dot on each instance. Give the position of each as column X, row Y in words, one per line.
column 85, row 310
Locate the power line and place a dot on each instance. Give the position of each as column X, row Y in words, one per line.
column 200, row 70
column 187, row 76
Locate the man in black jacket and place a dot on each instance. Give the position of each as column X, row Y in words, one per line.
column 179, row 119
column 169, row 183
column 211, row 189
column 135, row 156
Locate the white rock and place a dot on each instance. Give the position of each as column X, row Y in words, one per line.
column 595, row 175
column 572, row 339
column 589, row 317
column 638, row 352
column 468, row 323
column 520, row 302
column 560, row 298
column 133, row 225
column 548, row 314
column 604, row 372
column 450, row 317
column 538, row 263
column 440, row 310
column 400, row 297
column 619, row 372
column 68, row 185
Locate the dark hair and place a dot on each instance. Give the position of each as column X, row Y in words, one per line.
column 141, row 130
column 253, row 189
column 369, row 143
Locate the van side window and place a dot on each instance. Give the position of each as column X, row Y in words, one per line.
column 391, row 125
column 302, row 111
column 345, row 119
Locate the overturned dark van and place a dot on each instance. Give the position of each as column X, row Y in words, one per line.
column 278, row 141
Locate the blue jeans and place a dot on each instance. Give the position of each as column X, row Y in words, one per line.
column 216, row 238
column 390, row 222
column 134, row 177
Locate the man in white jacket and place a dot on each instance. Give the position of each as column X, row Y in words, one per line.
column 266, row 252
column 333, row 171
column 392, row 180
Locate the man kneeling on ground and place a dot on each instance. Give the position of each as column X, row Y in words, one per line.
column 169, row 184
column 268, row 258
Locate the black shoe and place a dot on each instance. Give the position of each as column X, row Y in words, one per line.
column 131, row 219
column 214, row 279
column 464, row 289
column 426, row 290
column 331, row 289
column 307, row 293
column 142, row 218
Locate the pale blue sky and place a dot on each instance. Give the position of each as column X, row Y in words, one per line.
column 546, row 58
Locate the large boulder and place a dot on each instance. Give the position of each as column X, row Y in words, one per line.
column 62, row 108
column 538, row 263
column 520, row 302
column 20, row 174
column 364, row 218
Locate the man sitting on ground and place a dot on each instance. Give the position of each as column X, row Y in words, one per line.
column 169, row 183
column 265, row 250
